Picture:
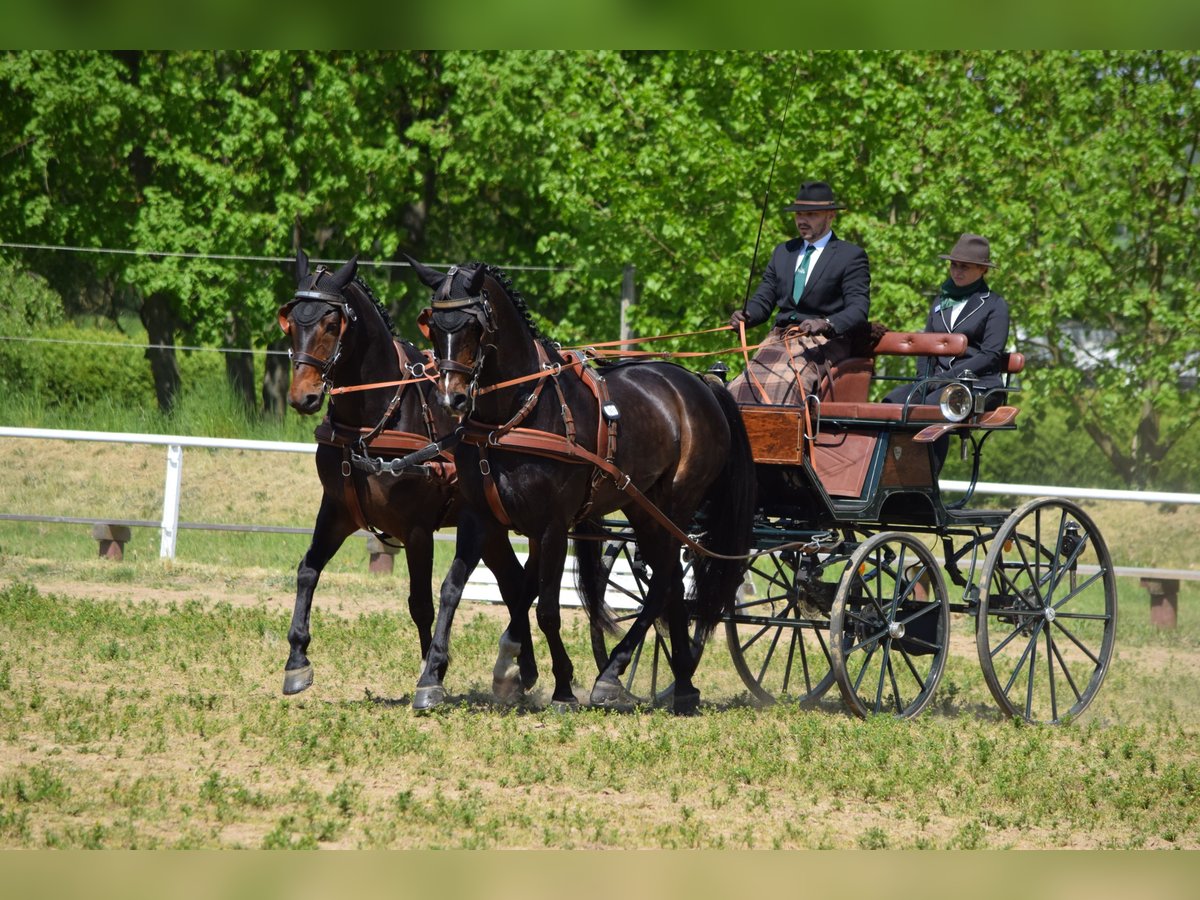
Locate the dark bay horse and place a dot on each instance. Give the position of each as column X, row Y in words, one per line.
column 543, row 454
column 341, row 335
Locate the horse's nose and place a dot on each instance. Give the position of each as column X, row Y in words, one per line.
column 454, row 401
column 307, row 403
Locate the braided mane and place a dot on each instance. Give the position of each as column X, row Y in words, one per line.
column 383, row 313
column 518, row 301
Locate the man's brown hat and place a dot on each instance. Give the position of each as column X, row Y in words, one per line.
column 813, row 196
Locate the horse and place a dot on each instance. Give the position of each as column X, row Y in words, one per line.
column 650, row 439
column 341, row 334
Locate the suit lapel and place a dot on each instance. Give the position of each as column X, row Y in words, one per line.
column 974, row 305
column 822, row 264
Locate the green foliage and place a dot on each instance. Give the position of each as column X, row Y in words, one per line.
column 1079, row 166
column 27, row 302
column 67, row 370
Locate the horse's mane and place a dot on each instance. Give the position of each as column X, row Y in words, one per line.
column 519, row 302
column 383, row 313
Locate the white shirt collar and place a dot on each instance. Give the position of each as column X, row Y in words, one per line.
column 820, row 242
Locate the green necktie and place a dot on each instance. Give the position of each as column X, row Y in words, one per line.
column 802, row 272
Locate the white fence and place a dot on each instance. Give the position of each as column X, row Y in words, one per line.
column 169, row 524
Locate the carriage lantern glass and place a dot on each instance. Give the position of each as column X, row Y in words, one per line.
column 955, row 402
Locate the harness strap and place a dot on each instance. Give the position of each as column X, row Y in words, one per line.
column 555, row 446
column 490, row 492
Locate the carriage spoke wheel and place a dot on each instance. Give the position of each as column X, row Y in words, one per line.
column 1047, row 614
column 648, row 677
column 778, row 634
column 890, row 627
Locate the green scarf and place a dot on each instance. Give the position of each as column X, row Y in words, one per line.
column 952, row 294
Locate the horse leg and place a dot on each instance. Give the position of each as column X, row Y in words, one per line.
column 686, row 699
column 330, row 531
column 656, row 549
column 418, row 554
column 550, row 559
column 515, row 671
column 468, row 549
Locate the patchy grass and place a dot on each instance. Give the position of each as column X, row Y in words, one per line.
column 134, row 722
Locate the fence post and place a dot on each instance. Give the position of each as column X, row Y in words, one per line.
column 112, row 539
column 1164, row 601
column 381, row 556
column 170, row 516
column 628, row 299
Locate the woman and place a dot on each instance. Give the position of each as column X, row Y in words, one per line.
column 965, row 305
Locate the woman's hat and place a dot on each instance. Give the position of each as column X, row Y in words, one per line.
column 813, row 196
column 971, row 248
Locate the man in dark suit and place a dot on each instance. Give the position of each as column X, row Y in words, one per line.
column 821, row 287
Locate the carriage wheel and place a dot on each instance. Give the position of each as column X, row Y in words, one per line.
column 648, row 677
column 1047, row 612
column 890, row 627
column 778, row 634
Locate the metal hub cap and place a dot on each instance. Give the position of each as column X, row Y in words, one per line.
column 895, row 630
column 1049, row 614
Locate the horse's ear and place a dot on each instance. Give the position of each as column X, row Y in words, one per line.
column 476, row 284
column 346, row 273
column 431, row 278
column 301, row 265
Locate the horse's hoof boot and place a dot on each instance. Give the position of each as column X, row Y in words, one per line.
column 611, row 695
column 686, row 704
column 562, row 707
column 297, row 680
column 426, row 698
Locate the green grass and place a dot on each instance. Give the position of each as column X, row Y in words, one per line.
column 127, row 723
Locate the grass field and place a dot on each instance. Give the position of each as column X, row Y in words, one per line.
column 140, row 707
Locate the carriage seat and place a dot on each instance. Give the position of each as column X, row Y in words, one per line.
column 849, row 381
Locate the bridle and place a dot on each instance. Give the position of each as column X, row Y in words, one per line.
column 349, row 317
column 477, row 308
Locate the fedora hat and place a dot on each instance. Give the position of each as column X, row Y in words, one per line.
column 971, row 248
column 813, row 196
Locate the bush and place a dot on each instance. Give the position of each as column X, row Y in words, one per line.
column 66, row 367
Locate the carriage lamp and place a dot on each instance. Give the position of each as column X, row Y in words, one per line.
column 955, row 402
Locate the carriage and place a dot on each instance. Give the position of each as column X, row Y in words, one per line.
column 840, row 573
column 844, row 586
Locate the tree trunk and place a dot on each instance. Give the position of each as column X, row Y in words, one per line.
column 277, row 372
column 158, row 316
column 239, row 365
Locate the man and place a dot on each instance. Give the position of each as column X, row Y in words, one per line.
column 821, row 287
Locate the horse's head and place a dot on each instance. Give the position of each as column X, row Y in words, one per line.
column 316, row 320
column 461, row 324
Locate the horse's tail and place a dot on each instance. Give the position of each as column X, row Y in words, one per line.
column 590, row 578
column 727, row 517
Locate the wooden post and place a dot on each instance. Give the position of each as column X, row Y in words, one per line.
column 382, row 556
column 112, row 540
column 1164, row 601
column 628, row 298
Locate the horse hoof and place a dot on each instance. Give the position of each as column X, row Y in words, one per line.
column 297, row 680
column 686, row 704
column 427, row 698
column 562, row 707
column 508, row 689
column 611, row 695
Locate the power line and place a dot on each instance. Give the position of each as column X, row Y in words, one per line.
column 231, row 257
column 36, row 340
